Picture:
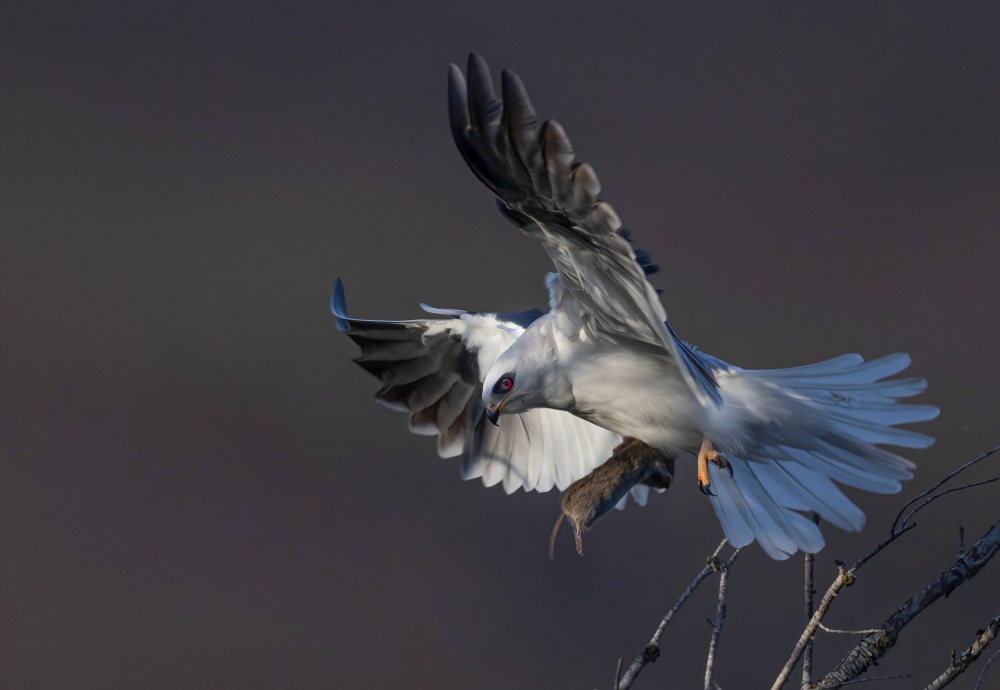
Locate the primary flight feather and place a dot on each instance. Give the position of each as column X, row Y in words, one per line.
column 603, row 364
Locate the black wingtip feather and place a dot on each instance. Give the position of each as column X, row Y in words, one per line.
column 517, row 103
column 484, row 105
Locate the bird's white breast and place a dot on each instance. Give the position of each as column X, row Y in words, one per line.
column 635, row 393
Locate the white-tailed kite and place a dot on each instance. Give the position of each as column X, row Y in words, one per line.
column 603, row 367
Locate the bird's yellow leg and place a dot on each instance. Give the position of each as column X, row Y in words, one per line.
column 705, row 455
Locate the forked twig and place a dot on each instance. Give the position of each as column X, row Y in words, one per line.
column 941, row 483
column 846, row 577
column 958, row 665
column 651, row 651
column 874, row 646
column 720, row 618
column 877, row 641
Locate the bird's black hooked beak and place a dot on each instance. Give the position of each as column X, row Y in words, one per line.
column 494, row 414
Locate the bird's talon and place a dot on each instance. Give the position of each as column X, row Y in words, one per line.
column 706, row 455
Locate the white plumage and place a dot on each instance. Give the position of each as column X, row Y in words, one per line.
column 604, row 363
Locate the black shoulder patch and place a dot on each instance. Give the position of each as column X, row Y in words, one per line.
column 521, row 318
column 641, row 255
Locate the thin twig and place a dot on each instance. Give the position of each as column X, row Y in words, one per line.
column 807, row 655
column 720, row 619
column 874, row 646
column 651, row 651
column 963, row 662
column 983, row 672
column 938, row 486
column 948, row 491
column 881, row 545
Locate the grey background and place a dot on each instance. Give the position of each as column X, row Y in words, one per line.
column 195, row 489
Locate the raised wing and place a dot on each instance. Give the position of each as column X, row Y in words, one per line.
column 539, row 187
column 432, row 369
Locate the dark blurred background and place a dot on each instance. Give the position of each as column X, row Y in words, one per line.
column 195, row 487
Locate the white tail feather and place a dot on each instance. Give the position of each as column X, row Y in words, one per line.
column 841, row 409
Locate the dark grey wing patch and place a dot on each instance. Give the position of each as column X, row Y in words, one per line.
column 433, row 377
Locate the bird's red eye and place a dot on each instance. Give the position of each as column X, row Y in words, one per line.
column 504, row 384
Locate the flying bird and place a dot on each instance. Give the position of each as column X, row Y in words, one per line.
column 538, row 400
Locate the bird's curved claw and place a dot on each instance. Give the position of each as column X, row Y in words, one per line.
column 705, row 490
column 729, row 466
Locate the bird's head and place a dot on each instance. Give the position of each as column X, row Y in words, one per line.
column 523, row 378
column 501, row 393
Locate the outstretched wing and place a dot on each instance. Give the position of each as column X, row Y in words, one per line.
column 539, row 187
column 432, row 369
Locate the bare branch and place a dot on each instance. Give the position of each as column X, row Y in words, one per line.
column 874, row 646
column 938, row 486
column 968, row 656
column 807, row 655
column 844, row 579
column 720, row 619
column 651, row 651
column 877, row 641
